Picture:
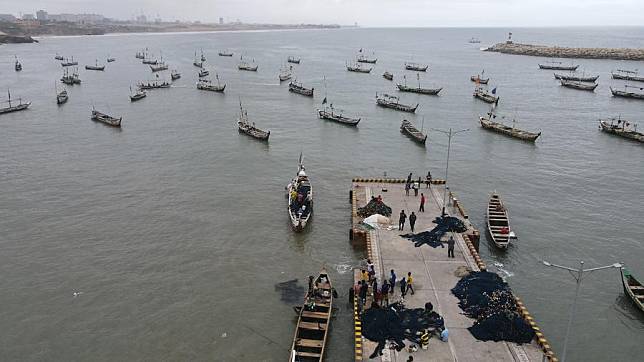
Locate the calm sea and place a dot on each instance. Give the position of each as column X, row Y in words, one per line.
column 164, row 240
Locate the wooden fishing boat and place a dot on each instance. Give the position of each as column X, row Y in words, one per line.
column 358, row 68
column 298, row 88
column 70, row 79
column 286, row 74
column 203, row 73
column 388, row 76
column 104, row 118
column 479, row 78
column 243, row 65
column 483, row 95
column 498, row 222
column 621, row 128
column 578, row 85
column 633, row 288
column 335, row 115
column 95, row 67
column 474, row 40
column 62, row 97
column 153, row 84
column 557, row 66
column 490, row 123
column 299, row 193
column 393, row 102
column 13, row 107
column 576, row 78
column 248, row 128
column 294, row 60
column 150, row 61
column 419, row 89
column 158, row 67
column 69, row 63
column 138, row 95
column 142, row 54
column 627, row 75
column 197, row 64
column 364, row 59
column 110, row 60
column 309, row 340
column 17, row 65
column 58, row 57
column 416, row 67
column 225, row 54
column 412, row 132
column 203, row 57
column 174, row 75
column 208, row 85
column 626, row 94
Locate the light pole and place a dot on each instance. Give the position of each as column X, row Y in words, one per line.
column 578, row 274
column 449, row 134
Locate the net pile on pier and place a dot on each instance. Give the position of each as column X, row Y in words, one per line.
column 433, row 236
column 485, row 297
column 375, row 206
column 397, row 323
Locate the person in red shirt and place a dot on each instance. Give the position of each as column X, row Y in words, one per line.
column 422, row 203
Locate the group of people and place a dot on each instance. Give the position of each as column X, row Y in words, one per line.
column 300, row 195
column 414, row 185
column 387, row 288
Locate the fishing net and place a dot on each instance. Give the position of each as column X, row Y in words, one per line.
column 291, row 292
column 397, row 323
column 375, row 206
column 485, row 297
column 433, row 236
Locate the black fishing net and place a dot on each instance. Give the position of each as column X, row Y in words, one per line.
column 433, row 236
column 290, row 291
column 485, row 297
column 375, row 206
column 397, row 323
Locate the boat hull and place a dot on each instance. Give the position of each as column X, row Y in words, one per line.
column 632, row 289
column 20, row 107
column 338, row 118
column 508, row 131
column 412, row 132
column 558, row 67
column 622, row 132
column 497, row 219
column 425, row 91
column 623, row 94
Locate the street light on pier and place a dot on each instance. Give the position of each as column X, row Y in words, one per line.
column 449, row 134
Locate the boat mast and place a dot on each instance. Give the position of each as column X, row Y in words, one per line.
column 9, row 94
column 418, row 77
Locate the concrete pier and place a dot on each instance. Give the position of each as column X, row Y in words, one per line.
column 564, row 52
column 433, row 273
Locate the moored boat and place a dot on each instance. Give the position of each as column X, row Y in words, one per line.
column 58, row 57
column 174, row 75
column 633, row 288
column 626, row 93
column 243, row 65
column 62, row 96
column 158, row 67
column 95, row 66
column 299, row 193
column 419, row 89
column 110, row 59
column 70, row 79
column 69, row 62
column 393, row 102
column 412, row 132
column 142, row 54
column 416, row 67
column 13, row 107
column 286, row 74
column 297, row 87
column 358, row 68
column 150, row 61
column 474, row 40
column 388, row 76
column 294, row 60
column 311, row 331
column 104, row 118
column 153, row 84
column 620, row 127
column 576, row 78
column 578, row 85
column 225, row 53
column 203, row 57
column 248, row 128
column 203, row 73
column 17, row 66
column 138, row 95
column 332, row 114
column 208, row 85
column 479, row 78
column 489, row 122
column 558, row 66
column 365, row 59
column 485, row 96
column 623, row 74
column 498, row 222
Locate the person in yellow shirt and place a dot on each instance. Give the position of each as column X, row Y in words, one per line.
column 364, row 275
column 410, row 286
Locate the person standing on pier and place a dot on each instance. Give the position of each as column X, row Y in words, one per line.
column 403, row 287
column 401, row 220
column 412, row 221
column 384, row 294
column 409, row 178
column 422, row 203
column 392, row 280
column 409, row 283
column 364, row 288
column 450, row 247
column 371, row 269
column 428, row 179
column 407, row 187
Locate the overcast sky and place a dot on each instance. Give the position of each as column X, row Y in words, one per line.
column 417, row 13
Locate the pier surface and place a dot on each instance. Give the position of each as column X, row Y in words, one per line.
column 563, row 52
column 434, row 277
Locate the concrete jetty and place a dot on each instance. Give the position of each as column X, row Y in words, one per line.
column 563, row 52
column 434, row 275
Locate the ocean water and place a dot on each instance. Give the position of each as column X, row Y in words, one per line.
column 164, row 240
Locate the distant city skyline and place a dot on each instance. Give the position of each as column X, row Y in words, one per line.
column 371, row 13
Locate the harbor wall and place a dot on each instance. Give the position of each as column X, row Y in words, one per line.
column 564, row 52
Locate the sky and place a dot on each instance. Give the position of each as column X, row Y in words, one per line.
column 368, row 13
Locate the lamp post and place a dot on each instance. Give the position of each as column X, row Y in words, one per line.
column 449, row 134
column 578, row 275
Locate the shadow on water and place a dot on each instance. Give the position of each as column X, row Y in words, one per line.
column 627, row 311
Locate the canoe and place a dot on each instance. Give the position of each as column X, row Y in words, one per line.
column 626, row 94
column 478, row 78
column 299, row 193
column 251, row 130
column 627, row 76
column 578, row 85
column 633, row 288
column 485, row 96
column 358, row 69
column 412, row 132
column 576, row 78
column 498, row 222
column 393, row 102
column 558, row 67
column 104, row 118
column 620, row 129
column 488, row 123
column 416, row 67
column 388, row 76
column 309, row 340
column 331, row 116
column 298, row 88
column 419, row 90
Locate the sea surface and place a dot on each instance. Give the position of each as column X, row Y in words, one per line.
column 164, row 240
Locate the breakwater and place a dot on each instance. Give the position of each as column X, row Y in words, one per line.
column 564, row 52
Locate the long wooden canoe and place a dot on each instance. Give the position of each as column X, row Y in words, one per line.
column 498, row 222
column 633, row 288
column 309, row 340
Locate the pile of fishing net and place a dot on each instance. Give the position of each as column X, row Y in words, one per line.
column 433, row 236
column 375, row 206
column 485, row 297
column 397, row 323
